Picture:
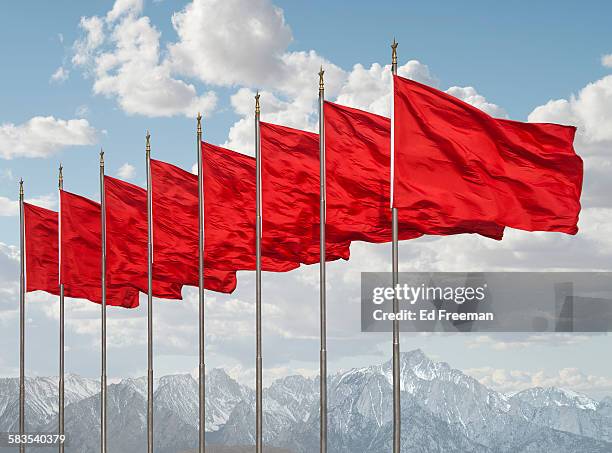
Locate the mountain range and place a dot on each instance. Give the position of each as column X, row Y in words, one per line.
column 443, row 410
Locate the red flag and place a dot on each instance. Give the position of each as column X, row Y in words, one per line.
column 357, row 160
column 41, row 250
column 175, row 230
column 229, row 202
column 127, row 239
column 81, row 252
column 454, row 162
column 290, row 195
column 358, row 166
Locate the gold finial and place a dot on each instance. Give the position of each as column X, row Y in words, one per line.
column 199, row 118
column 394, row 52
column 21, row 187
column 61, row 177
column 321, row 84
column 148, row 147
column 257, row 110
column 101, row 157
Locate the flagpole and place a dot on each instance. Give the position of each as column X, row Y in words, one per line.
column 149, row 298
column 202, row 368
column 21, row 318
column 103, row 309
column 258, row 359
column 60, row 419
column 397, row 414
column 322, row 278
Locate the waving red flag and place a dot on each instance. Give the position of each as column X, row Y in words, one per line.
column 127, row 239
column 81, row 252
column 454, row 162
column 358, row 165
column 175, row 230
column 229, row 203
column 290, row 195
column 41, row 249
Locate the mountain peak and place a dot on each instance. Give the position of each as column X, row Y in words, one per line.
column 555, row 396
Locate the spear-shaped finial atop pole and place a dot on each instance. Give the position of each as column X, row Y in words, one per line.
column 257, row 95
column 60, row 179
column 199, row 118
column 394, row 53
column 101, row 157
column 148, row 146
column 21, row 187
column 321, row 84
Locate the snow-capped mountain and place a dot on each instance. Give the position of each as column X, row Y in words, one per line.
column 564, row 410
column 442, row 410
column 42, row 401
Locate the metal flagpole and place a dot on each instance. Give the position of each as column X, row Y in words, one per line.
column 103, row 306
column 149, row 298
column 21, row 319
column 60, row 420
column 322, row 278
column 397, row 414
column 258, row 359
column 202, row 375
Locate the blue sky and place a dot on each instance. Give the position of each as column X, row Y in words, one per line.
column 517, row 56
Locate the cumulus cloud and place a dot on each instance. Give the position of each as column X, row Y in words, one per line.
column 606, row 60
column 43, row 136
column 124, row 7
column 84, row 48
column 243, row 43
column 370, row 88
column 510, row 381
column 122, row 54
column 471, row 96
column 591, row 111
column 126, row 171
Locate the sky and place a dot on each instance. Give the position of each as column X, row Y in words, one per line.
column 78, row 76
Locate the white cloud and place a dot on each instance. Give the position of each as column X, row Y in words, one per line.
column 509, row 381
column 370, row 88
column 42, row 136
column 590, row 110
column 94, row 37
column 10, row 207
column 248, row 49
column 229, row 42
column 122, row 54
column 471, row 96
column 126, row 171
column 60, row 75
column 124, row 7
column 606, row 60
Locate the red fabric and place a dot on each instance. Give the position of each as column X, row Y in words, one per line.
column 127, row 239
column 41, row 250
column 290, row 196
column 358, row 165
column 358, row 175
column 454, row 162
column 229, row 203
column 81, row 252
column 175, row 230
